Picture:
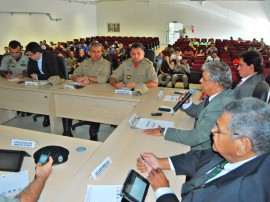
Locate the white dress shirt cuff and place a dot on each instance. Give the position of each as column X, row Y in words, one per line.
column 171, row 164
column 162, row 191
column 185, row 106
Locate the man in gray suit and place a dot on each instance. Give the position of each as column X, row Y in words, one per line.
column 215, row 83
column 250, row 68
column 241, row 144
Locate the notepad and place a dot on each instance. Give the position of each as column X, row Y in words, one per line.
column 98, row 193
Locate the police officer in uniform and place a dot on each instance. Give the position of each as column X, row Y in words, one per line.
column 93, row 70
column 15, row 64
column 134, row 70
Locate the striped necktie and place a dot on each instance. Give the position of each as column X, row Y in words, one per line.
column 197, row 182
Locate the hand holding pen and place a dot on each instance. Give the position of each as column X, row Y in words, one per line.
column 146, row 162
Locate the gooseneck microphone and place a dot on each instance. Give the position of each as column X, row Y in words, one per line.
column 180, row 103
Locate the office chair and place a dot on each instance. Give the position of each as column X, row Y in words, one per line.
column 150, row 55
column 262, row 91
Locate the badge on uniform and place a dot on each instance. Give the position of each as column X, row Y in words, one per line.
column 128, row 76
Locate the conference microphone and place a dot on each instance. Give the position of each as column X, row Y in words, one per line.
column 187, row 96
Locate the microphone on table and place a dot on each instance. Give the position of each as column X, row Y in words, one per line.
column 187, row 96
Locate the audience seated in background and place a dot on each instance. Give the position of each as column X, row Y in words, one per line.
column 263, row 48
column 188, row 53
column 250, row 69
column 204, row 43
column 71, row 62
column 237, row 165
column 121, row 52
column 181, row 70
column 200, row 53
column 194, row 42
column 192, row 46
column 211, row 47
column 111, row 50
column 83, row 46
column 106, row 55
column 42, row 46
column 170, row 48
column 213, row 57
column 6, row 51
column 159, row 59
column 58, row 47
column 116, row 44
column 216, row 82
column 165, row 71
column 176, row 56
column 81, row 57
column 211, row 41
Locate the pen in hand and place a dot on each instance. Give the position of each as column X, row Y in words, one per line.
column 147, row 162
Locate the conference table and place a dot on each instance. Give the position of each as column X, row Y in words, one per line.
column 100, row 103
column 62, row 173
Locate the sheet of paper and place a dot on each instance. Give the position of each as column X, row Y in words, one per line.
column 14, row 183
column 145, row 123
column 14, row 79
column 99, row 193
column 170, row 98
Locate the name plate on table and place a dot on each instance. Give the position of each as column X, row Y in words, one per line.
column 23, row 143
column 123, row 91
column 99, row 170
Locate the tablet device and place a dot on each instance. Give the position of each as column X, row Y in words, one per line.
column 135, row 187
column 11, row 160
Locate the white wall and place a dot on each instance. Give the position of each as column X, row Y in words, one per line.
column 78, row 20
column 209, row 19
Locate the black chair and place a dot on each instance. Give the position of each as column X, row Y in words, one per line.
column 150, row 55
column 262, row 91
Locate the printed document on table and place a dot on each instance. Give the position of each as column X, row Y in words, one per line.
column 99, row 193
column 171, row 98
column 145, row 123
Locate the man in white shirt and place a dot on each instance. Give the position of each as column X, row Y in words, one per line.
column 241, row 144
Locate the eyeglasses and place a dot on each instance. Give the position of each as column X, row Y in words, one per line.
column 216, row 130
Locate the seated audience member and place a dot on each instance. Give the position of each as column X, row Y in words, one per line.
column 52, row 45
column 176, row 56
column 93, row 70
column 14, row 65
column 203, row 43
column 83, row 46
column 111, row 50
column 159, row 59
column 42, row 46
column 71, row 62
column 235, row 170
column 81, row 57
column 211, row 47
column 70, row 47
column 106, row 45
column 44, row 42
column 6, row 51
column 165, row 71
column 135, row 70
column 211, row 41
column 194, row 42
column 121, row 52
column 58, row 47
column 170, row 48
column 116, row 44
column 200, row 53
column 263, row 49
column 181, row 70
column 250, row 68
column 213, row 57
column 215, row 83
column 254, row 42
column 32, row 192
column 106, row 55
column 188, row 53
column 192, row 46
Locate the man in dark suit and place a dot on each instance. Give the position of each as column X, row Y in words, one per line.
column 250, row 68
column 41, row 66
column 241, row 154
column 216, row 83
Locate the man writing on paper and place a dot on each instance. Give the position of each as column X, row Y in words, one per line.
column 15, row 64
column 93, row 70
column 215, row 83
column 135, row 70
column 32, row 192
column 237, row 170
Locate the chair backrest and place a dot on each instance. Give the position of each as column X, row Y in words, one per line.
column 62, row 67
column 150, row 55
column 262, row 91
